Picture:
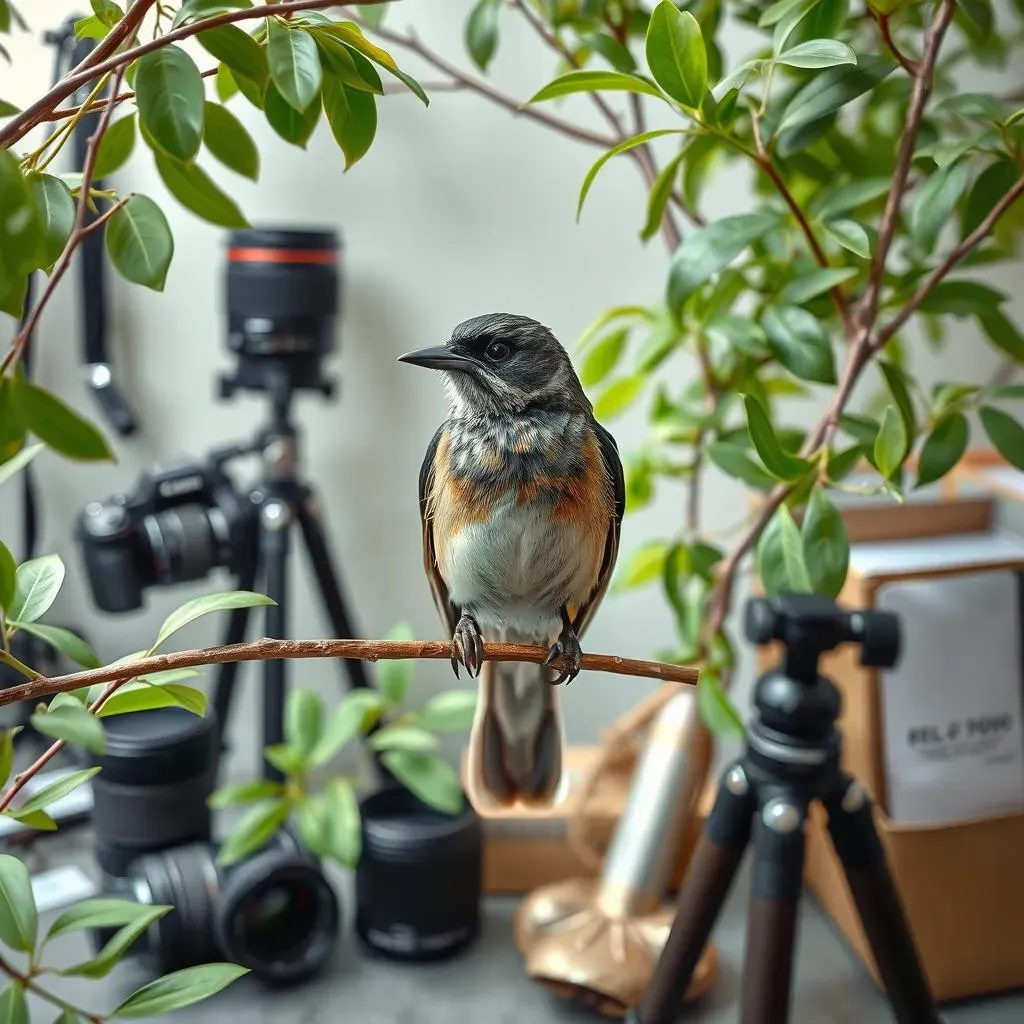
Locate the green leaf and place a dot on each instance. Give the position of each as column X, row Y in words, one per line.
column 20, row 230
column 114, row 949
column 170, row 96
column 676, row 54
column 179, row 989
column 115, row 147
column 1005, row 433
column 962, row 299
column 7, row 752
column 981, row 105
column 618, row 396
column 143, row 695
column 351, row 35
column 56, row 211
column 826, row 544
column 1011, row 391
column 71, row 645
column 450, row 710
column 990, row 186
column 228, row 140
column 200, row 606
column 780, row 556
column 644, row 564
column 139, row 243
column 707, row 250
column 622, row 147
column 603, row 357
column 403, row 737
column 891, row 444
column 250, row 791
column 193, row 188
column 776, row 459
column 107, row 11
column 225, row 84
column 343, row 826
column 428, row 777
column 294, row 127
column 942, row 448
column 482, row 32
column 98, row 913
column 239, row 51
column 39, row 821
column 192, row 10
column 284, row 759
column 833, row 89
column 716, row 709
column 809, row 286
column 817, row 53
column 350, row 66
column 36, row 585
column 798, row 340
column 851, row 236
column 254, row 830
column 356, row 713
column 935, row 201
column 734, row 461
column 8, row 109
column 72, row 723
column 840, row 200
column 13, row 1006
column 594, row 81
column 19, row 920
column 55, row 790
column 57, row 425
column 660, row 195
column 8, row 577
column 1002, row 332
column 294, row 64
column 895, row 379
column 304, row 720
column 352, row 116
column 16, row 463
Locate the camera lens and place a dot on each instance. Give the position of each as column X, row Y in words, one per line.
column 282, row 291
column 182, row 542
column 419, row 882
column 157, row 773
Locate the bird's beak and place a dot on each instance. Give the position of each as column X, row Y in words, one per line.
column 437, row 358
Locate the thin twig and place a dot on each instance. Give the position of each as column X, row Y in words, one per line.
column 882, row 20
column 28, row 119
column 79, row 232
column 31, row 985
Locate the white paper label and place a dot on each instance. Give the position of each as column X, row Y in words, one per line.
column 952, row 708
column 60, row 887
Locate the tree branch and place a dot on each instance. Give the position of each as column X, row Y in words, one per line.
column 956, row 255
column 28, row 119
column 868, row 306
column 30, row 985
column 882, row 20
column 364, row 650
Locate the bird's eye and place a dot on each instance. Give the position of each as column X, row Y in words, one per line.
column 496, row 351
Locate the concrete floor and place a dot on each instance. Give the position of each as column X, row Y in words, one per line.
column 487, row 985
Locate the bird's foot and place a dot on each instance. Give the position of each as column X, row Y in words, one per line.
column 467, row 646
column 567, row 647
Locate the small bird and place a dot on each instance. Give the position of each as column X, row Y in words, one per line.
column 521, row 499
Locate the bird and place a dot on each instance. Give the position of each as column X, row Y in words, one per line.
column 521, row 498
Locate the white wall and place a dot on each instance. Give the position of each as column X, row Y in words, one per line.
column 458, row 209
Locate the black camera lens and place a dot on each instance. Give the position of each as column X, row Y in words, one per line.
column 419, row 882
column 183, row 543
column 282, row 291
column 157, row 773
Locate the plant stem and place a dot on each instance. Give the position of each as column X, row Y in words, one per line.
column 882, row 20
column 27, row 983
column 365, row 650
column 18, row 666
column 28, row 119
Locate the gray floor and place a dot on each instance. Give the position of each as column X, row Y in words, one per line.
column 487, row 985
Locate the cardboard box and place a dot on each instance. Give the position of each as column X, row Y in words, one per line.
column 960, row 881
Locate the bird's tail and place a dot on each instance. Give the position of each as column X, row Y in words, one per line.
column 516, row 742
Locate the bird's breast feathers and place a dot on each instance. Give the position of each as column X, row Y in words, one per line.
column 519, row 534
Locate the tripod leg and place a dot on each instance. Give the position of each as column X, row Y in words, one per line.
column 706, row 884
column 235, row 633
column 330, row 587
column 860, row 851
column 276, row 521
column 774, row 901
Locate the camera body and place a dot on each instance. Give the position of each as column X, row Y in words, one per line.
column 176, row 525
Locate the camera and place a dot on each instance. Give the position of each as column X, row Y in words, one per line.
column 273, row 912
column 176, row 525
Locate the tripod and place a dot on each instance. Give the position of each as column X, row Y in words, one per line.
column 278, row 503
column 791, row 759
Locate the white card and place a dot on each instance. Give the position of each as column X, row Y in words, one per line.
column 952, row 708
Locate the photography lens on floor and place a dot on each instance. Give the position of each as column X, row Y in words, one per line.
column 419, row 882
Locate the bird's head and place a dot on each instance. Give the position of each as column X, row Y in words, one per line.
column 503, row 363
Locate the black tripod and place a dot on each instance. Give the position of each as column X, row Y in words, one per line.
column 792, row 758
column 278, row 503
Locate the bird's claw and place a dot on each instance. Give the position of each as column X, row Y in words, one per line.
column 467, row 647
column 568, row 649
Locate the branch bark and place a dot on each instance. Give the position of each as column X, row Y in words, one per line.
column 364, row 650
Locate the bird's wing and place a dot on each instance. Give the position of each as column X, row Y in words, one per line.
column 613, row 467
column 449, row 613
